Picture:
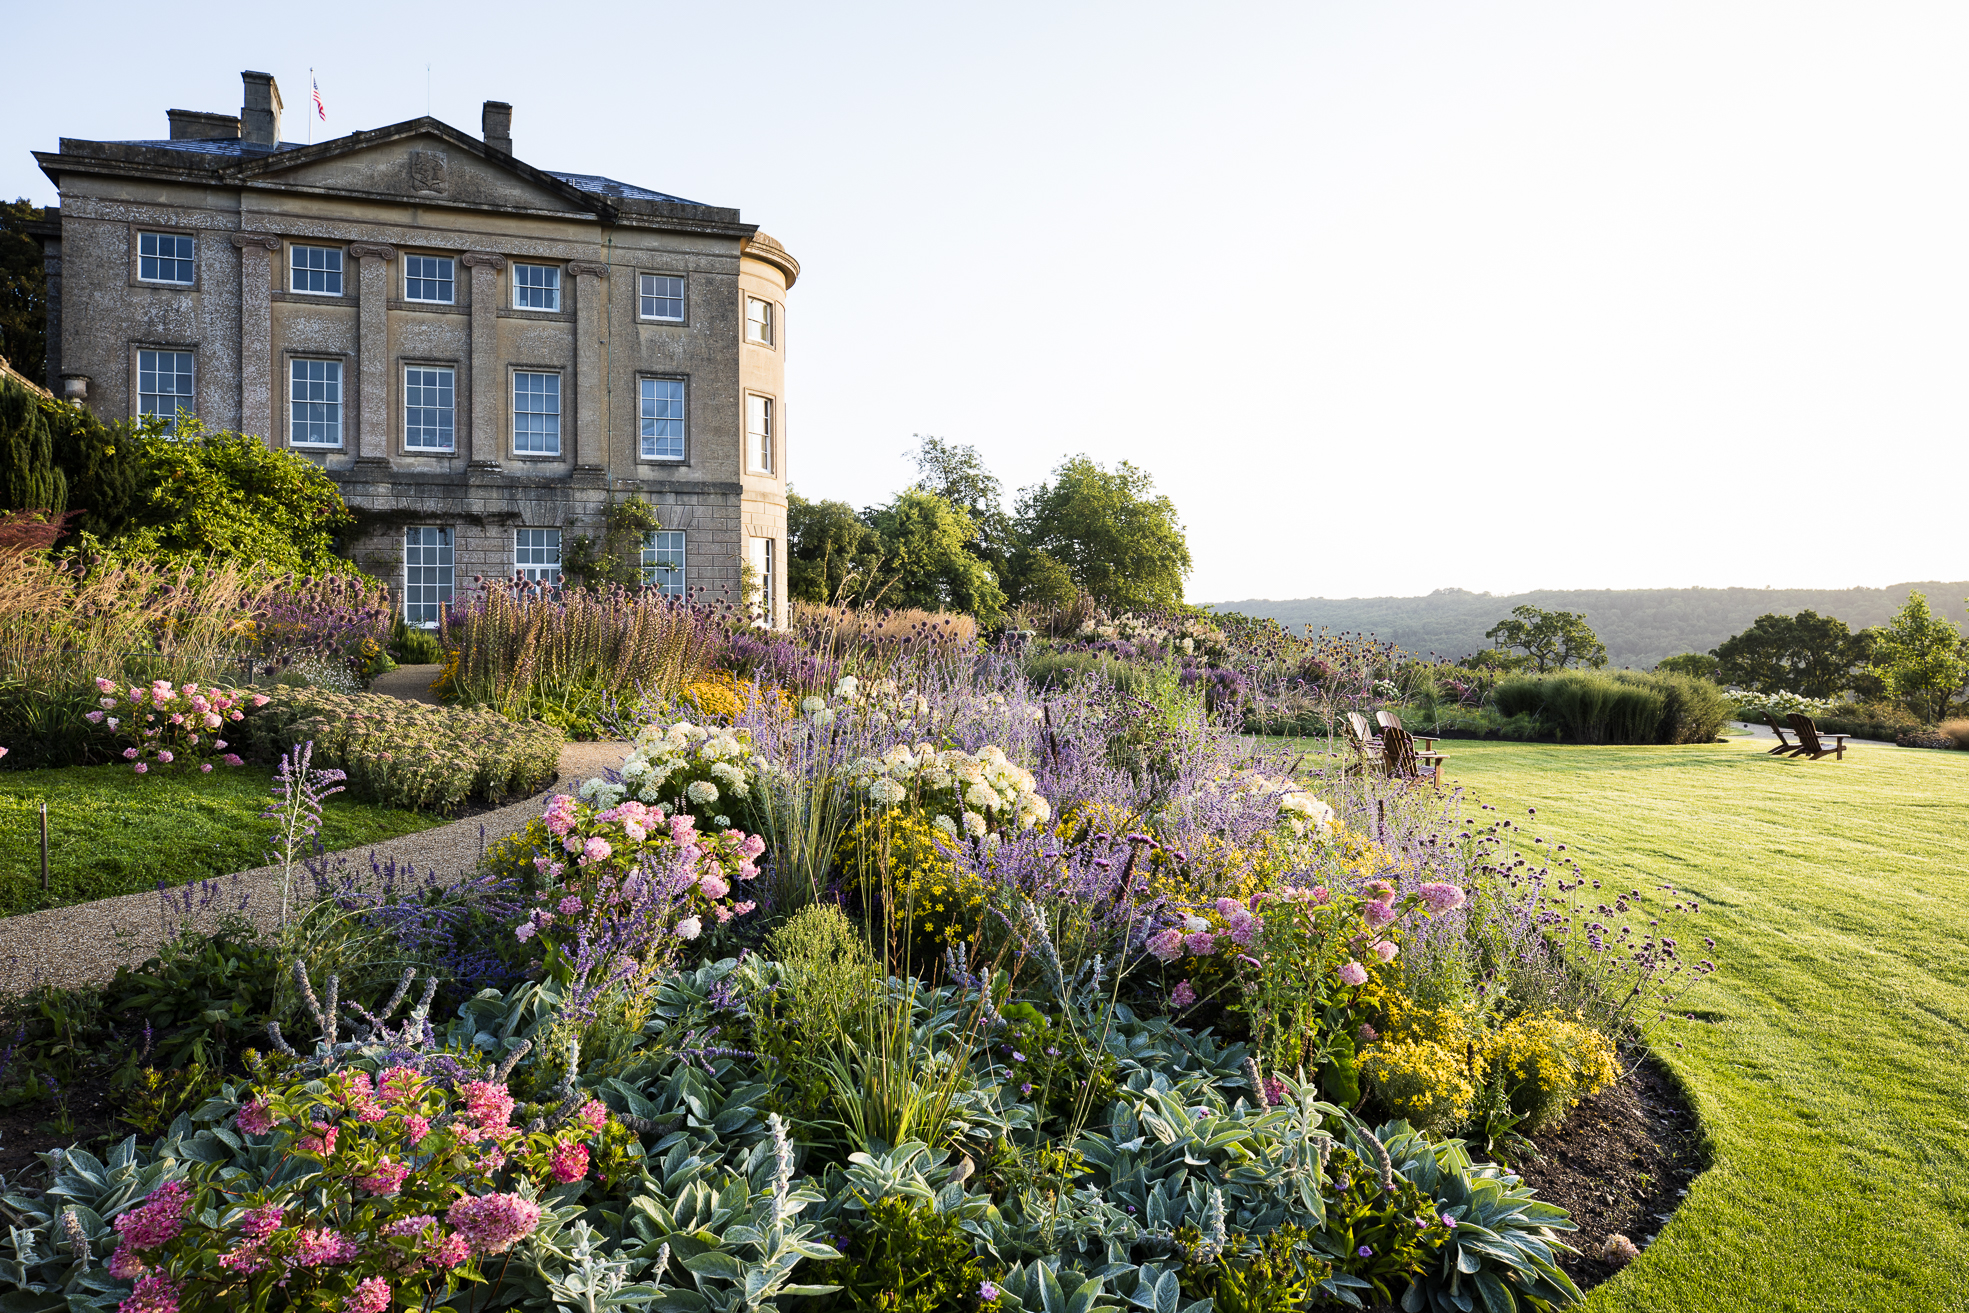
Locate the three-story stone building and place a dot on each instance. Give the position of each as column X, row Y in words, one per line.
column 481, row 353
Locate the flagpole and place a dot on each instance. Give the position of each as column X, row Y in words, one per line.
column 311, row 93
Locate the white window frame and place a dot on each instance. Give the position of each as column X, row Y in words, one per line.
column 449, row 385
column 765, row 334
column 428, row 592
column 174, row 258
column 645, row 295
column 295, row 270
column 763, row 553
column 655, row 400
column 551, row 286
column 333, row 400
column 666, row 562
column 187, row 401
column 760, row 437
column 537, row 556
column 450, row 277
column 549, row 430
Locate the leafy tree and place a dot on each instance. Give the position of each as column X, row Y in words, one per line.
column 1919, row 656
column 1116, row 538
column 230, row 495
column 23, row 291
column 956, row 472
column 1489, row 660
column 1550, row 640
column 1697, row 665
column 30, row 480
column 832, row 554
column 1807, row 653
column 926, row 558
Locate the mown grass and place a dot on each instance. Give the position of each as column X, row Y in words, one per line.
column 1831, row 1062
column 112, row 831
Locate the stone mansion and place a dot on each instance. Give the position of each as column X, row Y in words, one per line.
column 482, row 354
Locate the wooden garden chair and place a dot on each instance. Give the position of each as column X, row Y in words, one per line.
column 1400, row 759
column 1786, row 747
column 1389, row 720
column 1367, row 748
column 1809, row 743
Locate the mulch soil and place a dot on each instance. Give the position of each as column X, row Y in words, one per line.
column 1620, row 1165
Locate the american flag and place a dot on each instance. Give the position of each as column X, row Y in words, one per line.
column 320, row 109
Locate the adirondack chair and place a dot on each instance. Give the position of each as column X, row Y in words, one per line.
column 1809, row 742
column 1367, row 748
column 1786, row 747
column 1401, row 761
column 1389, row 720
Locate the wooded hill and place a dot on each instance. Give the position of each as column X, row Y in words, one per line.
column 1640, row 626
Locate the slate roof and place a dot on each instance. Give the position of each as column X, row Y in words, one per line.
column 235, row 148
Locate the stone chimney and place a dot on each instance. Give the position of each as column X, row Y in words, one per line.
column 259, row 117
column 497, row 126
column 196, row 125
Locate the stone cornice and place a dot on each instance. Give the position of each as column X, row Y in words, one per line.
column 491, row 260
column 587, row 268
column 244, row 240
column 371, row 251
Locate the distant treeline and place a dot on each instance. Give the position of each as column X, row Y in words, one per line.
column 1640, row 626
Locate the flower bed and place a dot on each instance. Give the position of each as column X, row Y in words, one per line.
column 407, row 754
column 938, row 984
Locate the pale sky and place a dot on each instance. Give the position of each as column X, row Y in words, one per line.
column 1387, row 296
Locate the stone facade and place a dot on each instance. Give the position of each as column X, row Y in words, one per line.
column 466, row 343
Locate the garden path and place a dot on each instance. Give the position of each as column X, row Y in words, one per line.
column 85, row 943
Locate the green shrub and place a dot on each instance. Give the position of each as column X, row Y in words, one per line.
column 415, row 647
column 1884, row 721
column 906, row 1257
column 1623, row 706
column 1050, row 670
column 407, row 754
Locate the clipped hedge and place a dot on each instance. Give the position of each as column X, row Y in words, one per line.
column 1620, row 706
column 408, row 754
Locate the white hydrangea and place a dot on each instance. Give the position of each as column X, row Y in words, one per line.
column 667, row 762
column 952, row 783
column 702, row 792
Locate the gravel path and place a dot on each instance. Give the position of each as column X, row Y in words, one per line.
column 85, row 943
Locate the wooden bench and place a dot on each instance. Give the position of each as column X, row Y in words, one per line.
column 1389, row 720
column 1809, row 743
column 1367, row 748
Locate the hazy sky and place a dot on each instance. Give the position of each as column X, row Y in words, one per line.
column 1388, row 297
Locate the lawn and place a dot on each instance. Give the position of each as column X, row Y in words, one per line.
column 1831, row 1063
column 112, row 831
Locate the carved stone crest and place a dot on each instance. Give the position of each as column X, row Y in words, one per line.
column 427, row 171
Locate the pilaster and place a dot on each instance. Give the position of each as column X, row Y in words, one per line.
column 484, row 445
column 372, row 349
column 590, row 330
column 256, row 395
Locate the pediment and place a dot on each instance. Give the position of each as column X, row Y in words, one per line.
column 436, row 167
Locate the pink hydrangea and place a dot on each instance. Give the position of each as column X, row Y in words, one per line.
column 1167, row 945
column 524, row 931
column 1229, row 907
column 322, row 1142
column 104, row 686
column 1353, row 973
column 1377, row 913
column 318, row 1246
column 740, row 909
column 1201, row 944
column 569, row 906
column 1243, row 927
column 141, row 768
column 713, row 885
column 415, row 1128
column 593, row 1115
column 158, row 1221
column 1183, row 995
column 487, row 1104
column 596, row 849
column 153, row 1294
column 124, row 1265
column 397, row 1084
column 259, row 1223
column 388, row 1178
column 751, row 847
column 233, row 759
column 255, row 1118
column 93, row 717
column 570, row 1162
column 1386, row 950
column 1440, row 898
column 492, row 1223
column 1383, row 891
column 371, row 1296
